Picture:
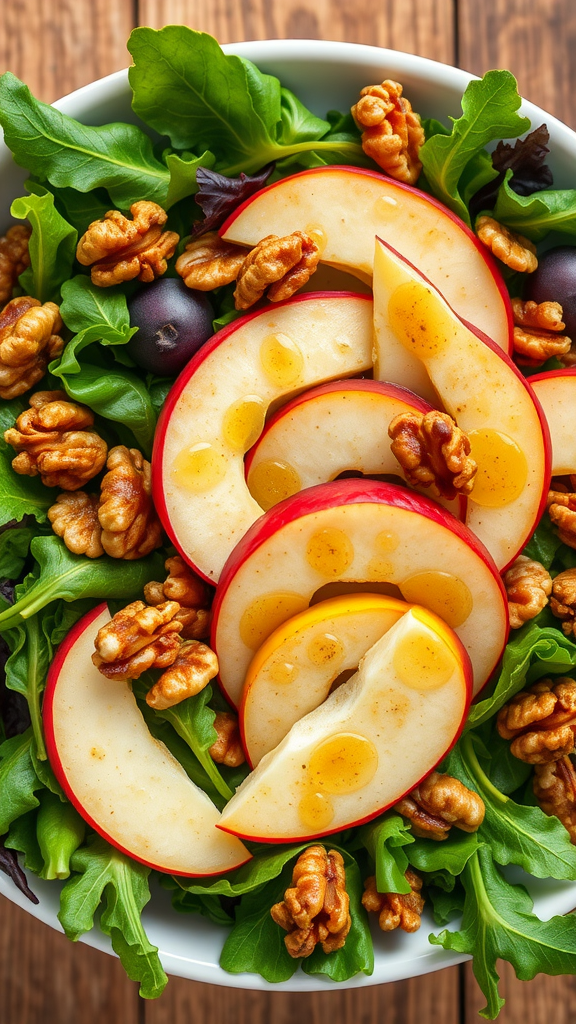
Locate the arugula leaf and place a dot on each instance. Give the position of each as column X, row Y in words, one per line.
column 450, row 856
column 164, row 732
column 208, row 906
column 52, row 245
column 183, row 174
column 18, row 779
column 445, row 904
column 69, row 577
column 384, row 839
column 60, row 831
column 498, row 923
column 118, row 157
column 10, row 866
column 489, row 108
column 78, row 208
column 544, row 543
column 19, row 495
column 536, row 215
column 357, row 954
column 26, row 671
column 264, row 867
column 107, row 875
column 14, row 546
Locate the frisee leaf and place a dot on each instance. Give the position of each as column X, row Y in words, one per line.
column 52, row 245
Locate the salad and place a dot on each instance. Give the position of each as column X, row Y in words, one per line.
column 208, row 471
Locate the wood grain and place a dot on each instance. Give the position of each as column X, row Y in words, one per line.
column 534, row 1002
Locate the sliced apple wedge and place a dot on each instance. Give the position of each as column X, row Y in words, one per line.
column 418, row 335
column 294, row 669
column 356, row 530
column 367, row 745
column 327, row 431
column 123, row 782
column 344, row 208
column 216, row 410
column 556, row 392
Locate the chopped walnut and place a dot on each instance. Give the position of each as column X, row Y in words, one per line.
column 282, row 265
column 514, row 250
column 554, row 787
column 537, row 331
column 395, row 910
column 528, row 586
column 227, row 749
column 194, row 667
column 130, row 526
column 392, row 133
column 74, row 517
column 186, row 587
column 209, row 262
column 14, row 258
column 433, row 451
column 29, row 339
column 316, row 909
column 439, row 802
column 562, row 512
column 541, row 721
column 563, row 600
column 53, row 442
column 136, row 639
column 119, row 249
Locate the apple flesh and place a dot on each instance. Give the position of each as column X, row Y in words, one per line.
column 367, row 745
column 293, row 671
column 216, row 410
column 354, row 531
column 124, row 783
column 418, row 336
column 556, row 392
column 327, row 431
column 344, row 208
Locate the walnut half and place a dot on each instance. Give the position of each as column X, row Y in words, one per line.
column 29, row 339
column 130, row 526
column 316, row 908
column 14, row 258
column 541, row 721
column 119, row 249
column 433, row 452
column 554, row 787
column 136, row 639
column 395, row 910
column 391, row 131
column 440, row 802
column 193, row 668
column 528, row 586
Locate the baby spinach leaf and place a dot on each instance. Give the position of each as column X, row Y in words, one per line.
column 498, row 923
column 535, row 215
column 19, row 495
column 357, row 953
column 183, row 174
column 85, row 306
column 52, row 245
column 69, row 577
column 14, row 545
column 489, row 108
column 451, row 855
column 384, row 839
column 79, row 208
column 10, row 866
column 298, row 124
column 106, row 876
column 18, row 779
column 117, row 157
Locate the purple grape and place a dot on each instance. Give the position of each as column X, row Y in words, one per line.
column 555, row 281
column 174, row 322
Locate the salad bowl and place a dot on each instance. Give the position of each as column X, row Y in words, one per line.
column 324, row 75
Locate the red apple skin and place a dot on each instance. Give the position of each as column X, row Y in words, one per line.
column 343, row 492
column 569, row 371
column 177, row 389
column 485, row 254
column 370, row 817
column 52, row 750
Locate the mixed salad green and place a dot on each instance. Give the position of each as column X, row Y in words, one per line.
column 203, row 111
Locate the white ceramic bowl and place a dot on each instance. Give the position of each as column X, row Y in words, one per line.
column 325, row 76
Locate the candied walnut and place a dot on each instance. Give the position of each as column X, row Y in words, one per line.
column 29, row 339
column 14, row 258
column 395, row 910
column 194, row 667
column 53, row 442
column 209, row 262
column 537, row 331
column 74, row 517
column 118, row 249
column 391, row 131
column 439, row 802
column 541, row 721
column 554, row 787
column 563, row 600
column 130, row 526
column 136, row 639
column 562, row 512
column 545, row 315
column 528, row 586
column 316, row 909
column 227, row 749
column 433, row 451
column 186, row 587
column 514, row 250
column 282, row 265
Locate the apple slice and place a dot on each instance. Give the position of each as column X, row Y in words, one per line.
column 294, row 669
column 353, row 531
column 327, row 431
column 217, row 407
column 418, row 335
column 123, row 782
column 344, row 208
column 367, row 745
column 556, row 392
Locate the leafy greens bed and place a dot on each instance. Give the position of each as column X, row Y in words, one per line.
column 221, row 113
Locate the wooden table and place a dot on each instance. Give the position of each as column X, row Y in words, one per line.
column 57, row 46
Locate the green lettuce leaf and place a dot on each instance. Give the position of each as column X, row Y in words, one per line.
column 183, row 174
column 385, row 839
column 538, row 214
column 19, row 495
column 106, row 876
column 446, row 858
column 265, row 866
column 18, row 780
column 52, row 245
column 14, row 547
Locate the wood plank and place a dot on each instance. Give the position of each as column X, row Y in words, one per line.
column 44, row 977
column 534, row 1002
column 417, row 26
column 56, row 46
column 535, row 39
